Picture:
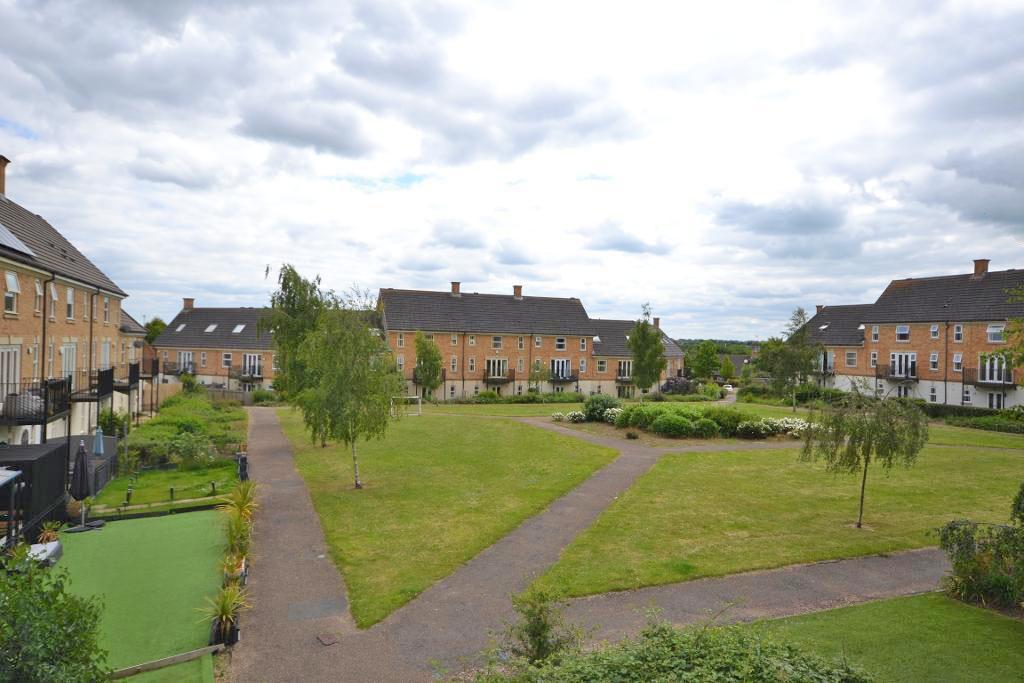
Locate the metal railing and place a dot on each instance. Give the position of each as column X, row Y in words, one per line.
column 91, row 386
column 34, row 401
column 624, row 379
column 1000, row 376
column 895, row 374
column 176, row 368
column 246, row 373
column 499, row 378
column 563, row 376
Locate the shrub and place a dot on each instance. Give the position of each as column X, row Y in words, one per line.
column 113, row 423
column 673, row 425
column 687, row 398
column 576, row 416
column 713, row 391
column 487, row 397
column 263, row 396
column 558, row 417
column 752, row 430
column 658, row 397
column 632, row 435
column 993, row 423
column 596, row 405
column 190, row 450
column 727, row 419
column 705, row 428
column 189, row 384
column 611, row 415
column 677, row 385
column 541, row 631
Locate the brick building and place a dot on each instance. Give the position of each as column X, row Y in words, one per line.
column 63, row 354
column 221, row 347
column 493, row 341
column 935, row 338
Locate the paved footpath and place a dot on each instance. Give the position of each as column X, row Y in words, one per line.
column 298, row 595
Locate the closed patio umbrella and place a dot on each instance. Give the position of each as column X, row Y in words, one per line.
column 97, row 442
column 80, row 484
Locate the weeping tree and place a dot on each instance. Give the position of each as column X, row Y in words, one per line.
column 860, row 429
column 350, row 380
column 648, row 351
column 428, row 364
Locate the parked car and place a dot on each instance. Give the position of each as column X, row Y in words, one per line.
column 727, row 387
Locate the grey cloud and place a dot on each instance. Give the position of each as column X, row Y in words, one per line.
column 422, row 262
column 1000, row 166
column 786, row 218
column 510, row 255
column 611, row 237
column 457, row 235
column 326, row 129
column 175, row 171
column 973, row 200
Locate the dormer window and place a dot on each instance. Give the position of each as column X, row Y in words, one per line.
column 996, row 334
column 903, row 333
column 210, row 328
column 238, row 329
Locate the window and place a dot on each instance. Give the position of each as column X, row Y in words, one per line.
column 455, row 364
column 903, row 391
column 958, row 333
column 625, row 368
column 995, row 401
column 559, row 343
column 933, row 360
column 933, row 395
column 210, row 328
column 455, row 340
column 401, row 363
column 70, row 304
column 851, row 359
column 429, row 337
column 53, row 301
column 602, row 366
column 538, row 363
column 519, row 365
column 273, row 363
column 106, row 313
column 967, row 396
column 903, row 333
column 202, row 359
column 165, row 355
column 583, row 364
column 180, row 327
column 958, row 362
column 874, row 333
column 583, row 343
column 472, row 364
column 935, row 331
column 39, row 297
column 86, row 302
column 902, row 365
column 11, row 295
column 522, row 343
column 451, row 391
column 993, row 368
column 472, row 340
column 237, row 330
column 495, row 342
column 476, row 389
column 225, row 360
column 401, row 340
column 536, row 341
column 996, row 334
column 874, row 359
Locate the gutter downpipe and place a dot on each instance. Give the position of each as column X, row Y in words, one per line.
column 42, row 366
column 945, row 369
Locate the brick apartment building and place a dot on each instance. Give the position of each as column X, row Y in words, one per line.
column 221, row 347
column 490, row 342
column 64, row 354
column 935, row 338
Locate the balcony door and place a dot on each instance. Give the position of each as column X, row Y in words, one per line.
column 561, row 367
column 903, row 364
column 69, row 362
column 185, row 361
column 105, row 356
column 252, row 364
column 994, row 369
column 10, row 370
column 496, row 367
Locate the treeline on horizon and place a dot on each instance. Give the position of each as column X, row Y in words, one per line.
column 730, row 346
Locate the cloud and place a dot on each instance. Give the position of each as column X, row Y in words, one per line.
column 611, row 237
column 786, row 218
column 334, row 130
column 456, row 235
column 1000, row 166
column 511, row 255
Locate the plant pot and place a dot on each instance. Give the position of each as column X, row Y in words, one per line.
column 46, row 553
column 217, row 637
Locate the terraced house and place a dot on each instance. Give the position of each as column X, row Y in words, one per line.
column 509, row 342
column 221, row 347
column 937, row 338
column 65, row 349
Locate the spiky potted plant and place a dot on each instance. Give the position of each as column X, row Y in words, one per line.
column 223, row 611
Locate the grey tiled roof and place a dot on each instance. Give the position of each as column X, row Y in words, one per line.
column 406, row 309
column 130, row 325
column 949, row 298
column 196, row 320
column 842, row 324
column 50, row 250
column 614, row 333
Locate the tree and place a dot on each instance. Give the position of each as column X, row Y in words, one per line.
column 350, row 378
column 703, row 362
column 860, row 429
column 294, row 310
column 788, row 362
column 46, row 632
column 154, row 328
column 537, row 375
column 428, row 364
column 648, row 351
column 728, row 370
column 1014, row 353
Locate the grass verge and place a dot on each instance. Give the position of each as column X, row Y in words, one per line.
column 438, row 490
column 153, row 486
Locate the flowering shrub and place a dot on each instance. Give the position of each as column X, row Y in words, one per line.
column 596, row 406
column 771, row 426
column 611, row 414
column 753, row 430
column 558, row 417
column 576, row 416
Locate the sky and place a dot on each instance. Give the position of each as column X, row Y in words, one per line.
column 724, row 162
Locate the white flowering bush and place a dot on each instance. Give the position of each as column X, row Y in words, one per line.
column 611, row 414
column 772, row 426
column 576, row 416
column 558, row 417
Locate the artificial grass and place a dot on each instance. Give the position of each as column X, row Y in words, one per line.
column 716, row 513
column 151, row 575
column 152, row 486
column 921, row 638
column 438, row 490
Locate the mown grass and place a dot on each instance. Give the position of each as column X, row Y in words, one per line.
column 438, row 490
column 708, row 514
column 153, row 486
column 920, row 638
column 501, row 409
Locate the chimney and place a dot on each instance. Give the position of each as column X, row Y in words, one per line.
column 3, row 173
column 517, row 292
column 455, row 289
column 980, row 267
column 657, row 323
column 818, row 308
column 187, row 303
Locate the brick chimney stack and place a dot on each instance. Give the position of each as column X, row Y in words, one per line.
column 3, row 173
column 657, row 323
column 818, row 308
column 187, row 303
column 517, row 292
column 980, row 267
column 455, row 289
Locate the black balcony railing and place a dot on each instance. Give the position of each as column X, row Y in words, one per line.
column 92, row 386
column 176, row 368
column 563, row 376
column 499, row 377
column 34, row 402
column 126, row 376
column 246, row 373
column 1001, row 376
column 893, row 373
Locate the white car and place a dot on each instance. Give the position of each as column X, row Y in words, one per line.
column 727, row 387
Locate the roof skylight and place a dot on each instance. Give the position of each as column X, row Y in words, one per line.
column 238, row 328
column 180, row 327
column 211, row 328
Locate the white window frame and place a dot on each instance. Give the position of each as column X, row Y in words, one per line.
column 933, row 394
column 202, row 359
column 874, row 333
column 38, row 302
column 958, row 362
column 237, row 329
column 933, row 360
column 521, row 343
column 497, row 342
column 69, row 304
column 966, row 397
column 472, row 340
column 400, row 360
column 472, row 364
column 400, row 340
column 583, row 365
column 874, row 359
column 934, row 331
column 454, row 364
column 11, row 292
column 520, row 364
column 225, row 359
column 54, row 298
column 559, row 343
column 86, row 306
column 106, row 310
column 999, row 329
column 583, row 343
column 898, row 333
column 958, row 333
column 602, row 365
column 210, row 328
column 454, row 340
column 537, row 341
column 847, row 359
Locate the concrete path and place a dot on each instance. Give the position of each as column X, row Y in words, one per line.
column 298, row 595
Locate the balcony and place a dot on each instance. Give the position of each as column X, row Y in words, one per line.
column 894, row 373
column 827, row 371
column 623, row 379
column 174, row 368
column 499, row 377
column 416, row 376
column 246, row 373
column 1000, row 377
column 563, row 377
column 126, row 376
column 92, row 386
column 34, row 402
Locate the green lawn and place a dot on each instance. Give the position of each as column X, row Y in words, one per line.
column 920, row 638
column 939, row 433
column 502, row 409
column 706, row 514
column 151, row 575
column 438, row 490
column 153, row 486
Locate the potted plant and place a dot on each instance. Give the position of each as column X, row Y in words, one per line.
column 223, row 611
column 236, row 569
column 47, row 548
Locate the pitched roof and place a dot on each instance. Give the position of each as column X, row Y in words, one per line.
column 130, row 325
column 407, row 309
column 950, row 298
column 47, row 248
column 840, row 325
column 189, row 330
column 615, row 333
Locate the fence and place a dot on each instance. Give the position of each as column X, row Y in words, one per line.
column 228, row 395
